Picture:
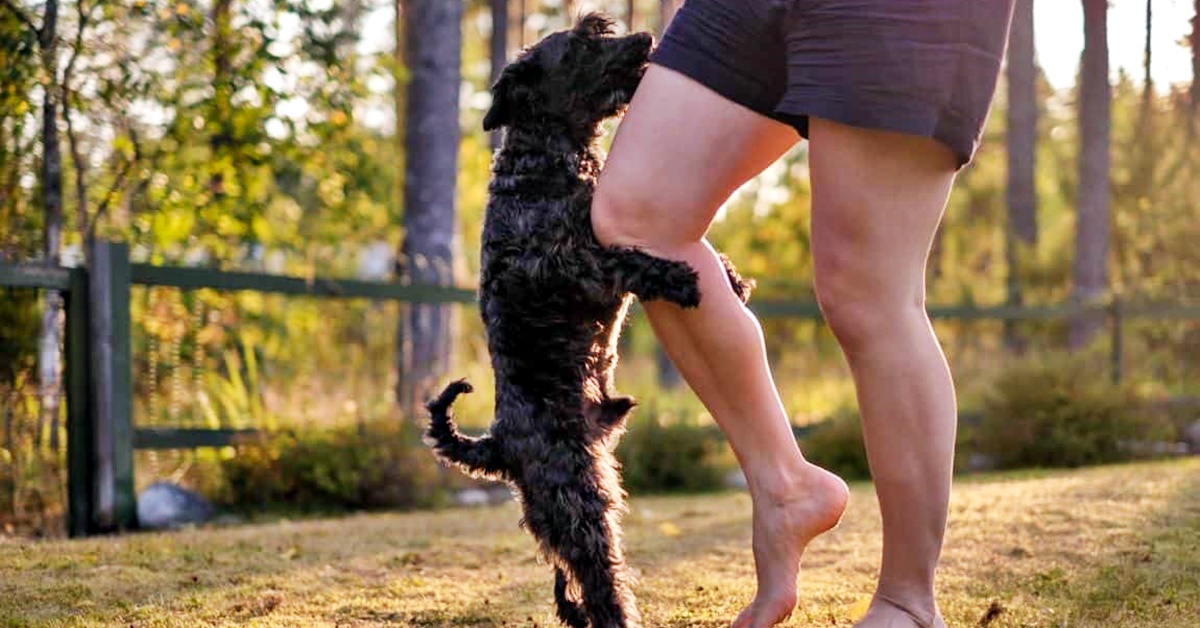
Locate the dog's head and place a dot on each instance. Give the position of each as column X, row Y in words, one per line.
column 577, row 77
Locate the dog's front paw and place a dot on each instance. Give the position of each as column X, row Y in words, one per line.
column 742, row 286
column 680, row 285
column 654, row 278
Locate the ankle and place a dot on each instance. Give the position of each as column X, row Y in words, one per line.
column 775, row 479
column 790, row 481
column 917, row 602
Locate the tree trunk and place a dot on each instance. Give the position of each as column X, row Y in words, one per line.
column 1147, row 57
column 499, row 51
column 351, row 16
column 1092, row 225
column 222, row 75
column 630, row 13
column 1022, row 126
column 434, row 43
column 1022, row 153
column 522, row 17
column 52, row 208
column 1194, row 100
column 666, row 11
column 400, row 95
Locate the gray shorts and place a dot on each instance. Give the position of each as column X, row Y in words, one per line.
column 922, row 67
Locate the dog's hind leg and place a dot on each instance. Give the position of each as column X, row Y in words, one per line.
column 478, row 456
column 569, row 611
column 651, row 278
column 582, row 530
column 596, row 561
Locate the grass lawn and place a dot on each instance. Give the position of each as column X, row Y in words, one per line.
column 1115, row 547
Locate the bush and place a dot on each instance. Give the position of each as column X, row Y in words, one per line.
column 381, row 464
column 837, row 445
column 1061, row 411
column 659, row 454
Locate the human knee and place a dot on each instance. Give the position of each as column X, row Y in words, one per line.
column 618, row 217
column 638, row 214
column 862, row 316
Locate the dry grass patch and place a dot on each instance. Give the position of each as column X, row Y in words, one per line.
column 1112, row 546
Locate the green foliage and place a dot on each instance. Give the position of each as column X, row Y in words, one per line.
column 661, row 454
column 1062, row 411
column 837, row 444
column 19, row 325
column 364, row 466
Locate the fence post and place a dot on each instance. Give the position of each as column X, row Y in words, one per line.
column 81, row 447
column 113, row 501
column 1116, row 359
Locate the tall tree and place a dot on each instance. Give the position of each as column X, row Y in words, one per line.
column 666, row 11
column 522, row 22
column 1194, row 100
column 1147, row 58
column 222, row 139
column 433, row 44
column 1022, row 150
column 498, row 50
column 51, row 188
column 1095, row 122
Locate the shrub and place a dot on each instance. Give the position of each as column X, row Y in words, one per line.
column 381, row 464
column 1061, row 411
column 660, row 454
column 837, row 444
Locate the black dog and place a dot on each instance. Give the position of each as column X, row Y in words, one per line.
column 553, row 301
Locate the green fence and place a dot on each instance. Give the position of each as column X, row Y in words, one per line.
column 101, row 436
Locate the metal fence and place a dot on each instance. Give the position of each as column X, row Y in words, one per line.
column 102, row 437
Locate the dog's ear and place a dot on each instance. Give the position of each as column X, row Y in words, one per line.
column 595, row 25
column 498, row 114
column 509, row 88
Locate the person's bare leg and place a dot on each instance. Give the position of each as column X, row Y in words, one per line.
column 877, row 200
column 679, row 153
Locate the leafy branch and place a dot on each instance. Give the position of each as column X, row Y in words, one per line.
column 22, row 16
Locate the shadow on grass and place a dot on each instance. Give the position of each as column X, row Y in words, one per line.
column 1155, row 581
column 477, row 568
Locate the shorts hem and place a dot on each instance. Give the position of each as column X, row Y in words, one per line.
column 885, row 114
column 726, row 82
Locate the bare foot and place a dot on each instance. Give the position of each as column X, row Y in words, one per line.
column 784, row 523
column 884, row 613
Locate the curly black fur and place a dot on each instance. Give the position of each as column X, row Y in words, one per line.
column 553, row 301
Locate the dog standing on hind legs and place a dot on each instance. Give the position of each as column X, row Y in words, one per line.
column 553, row 301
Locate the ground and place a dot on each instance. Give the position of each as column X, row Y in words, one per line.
column 1110, row 546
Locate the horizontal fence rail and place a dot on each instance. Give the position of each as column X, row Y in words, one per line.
column 200, row 278
column 101, row 436
column 192, row 438
column 40, row 277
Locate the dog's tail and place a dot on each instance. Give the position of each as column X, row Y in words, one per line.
column 477, row 456
column 569, row 611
